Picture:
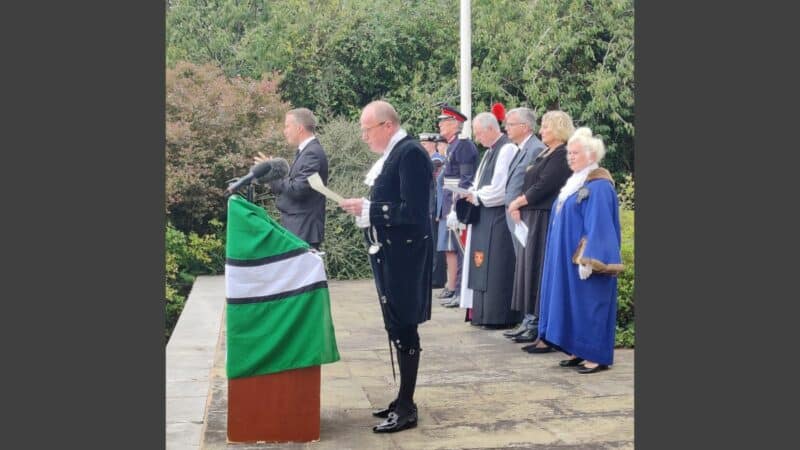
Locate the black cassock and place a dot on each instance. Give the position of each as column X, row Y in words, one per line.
column 400, row 228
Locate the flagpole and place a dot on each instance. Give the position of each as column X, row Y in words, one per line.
column 466, row 66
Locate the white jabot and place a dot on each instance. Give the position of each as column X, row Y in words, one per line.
column 376, row 169
column 574, row 182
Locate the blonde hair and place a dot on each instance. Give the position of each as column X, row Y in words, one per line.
column 560, row 123
column 590, row 144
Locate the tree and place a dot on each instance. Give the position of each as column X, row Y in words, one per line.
column 214, row 127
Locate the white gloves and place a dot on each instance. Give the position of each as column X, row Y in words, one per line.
column 584, row 271
column 452, row 221
column 362, row 221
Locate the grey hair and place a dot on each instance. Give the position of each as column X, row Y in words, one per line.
column 305, row 118
column 592, row 145
column 526, row 116
column 485, row 121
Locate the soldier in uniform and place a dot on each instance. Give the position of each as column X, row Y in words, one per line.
column 462, row 159
column 397, row 227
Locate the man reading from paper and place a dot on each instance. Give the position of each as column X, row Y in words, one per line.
column 398, row 231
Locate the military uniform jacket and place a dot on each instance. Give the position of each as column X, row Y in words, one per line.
column 401, row 228
column 462, row 160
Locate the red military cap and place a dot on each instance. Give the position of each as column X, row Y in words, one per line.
column 448, row 112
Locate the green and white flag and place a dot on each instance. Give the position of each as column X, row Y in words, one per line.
column 278, row 313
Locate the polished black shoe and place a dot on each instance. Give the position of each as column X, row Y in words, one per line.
column 597, row 368
column 384, row 413
column 527, row 336
column 573, row 362
column 514, row 332
column 395, row 422
column 534, row 349
column 495, row 326
column 446, row 293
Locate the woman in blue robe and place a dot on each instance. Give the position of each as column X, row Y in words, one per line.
column 582, row 260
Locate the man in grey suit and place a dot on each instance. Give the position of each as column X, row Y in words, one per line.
column 302, row 208
column 520, row 125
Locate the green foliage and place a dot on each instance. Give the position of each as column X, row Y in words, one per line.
column 626, row 192
column 337, row 55
column 625, row 284
column 214, row 127
column 186, row 257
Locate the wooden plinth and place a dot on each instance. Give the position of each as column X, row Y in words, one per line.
column 278, row 407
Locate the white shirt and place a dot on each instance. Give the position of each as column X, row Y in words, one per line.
column 524, row 141
column 374, row 171
column 303, row 144
column 493, row 194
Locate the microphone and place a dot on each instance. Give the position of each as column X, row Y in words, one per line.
column 270, row 170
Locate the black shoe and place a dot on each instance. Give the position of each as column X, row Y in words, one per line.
column 527, row 336
column 395, row 422
column 446, row 293
column 384, row 413
column 570, row 362
column 495, row 326
column 534, row 349
column 597, row 368
column 514, row 332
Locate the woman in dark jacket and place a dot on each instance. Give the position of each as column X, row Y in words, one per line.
column 543, row 180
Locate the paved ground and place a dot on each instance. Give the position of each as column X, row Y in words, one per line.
column 475, row 389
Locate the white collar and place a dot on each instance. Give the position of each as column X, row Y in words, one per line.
column 574, row 182
column 525, row 141
column 377, row 168
column 303, row 144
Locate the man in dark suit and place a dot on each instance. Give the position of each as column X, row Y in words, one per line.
column 302, row 208
column 397, row 227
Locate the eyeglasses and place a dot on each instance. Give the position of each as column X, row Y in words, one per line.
column 366, row 130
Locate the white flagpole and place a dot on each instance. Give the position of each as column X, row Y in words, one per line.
column 466, row 66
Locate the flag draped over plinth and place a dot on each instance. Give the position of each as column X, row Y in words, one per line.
column 278, row 310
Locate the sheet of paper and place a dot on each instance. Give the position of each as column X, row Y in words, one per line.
column 457, row 190
column 521, row 232
column 316, row 184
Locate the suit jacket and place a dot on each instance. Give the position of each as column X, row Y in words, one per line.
column 516, row 175
column 544, row 179
column 302, row 208
column 401, row 224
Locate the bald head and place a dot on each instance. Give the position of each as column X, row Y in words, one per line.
column 379, row 122
column 382, row 111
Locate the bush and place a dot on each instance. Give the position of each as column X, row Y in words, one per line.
column 186, row 257
column 214, row 127
column 625, row 336
column 626, row 192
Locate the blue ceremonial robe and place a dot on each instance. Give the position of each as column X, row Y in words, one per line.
column 579, row 316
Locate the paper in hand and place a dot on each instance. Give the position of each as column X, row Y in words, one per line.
column 521, row 232
column 457, row 190
column 316, row 184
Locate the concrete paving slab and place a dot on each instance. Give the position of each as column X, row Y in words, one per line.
column 475, row 389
